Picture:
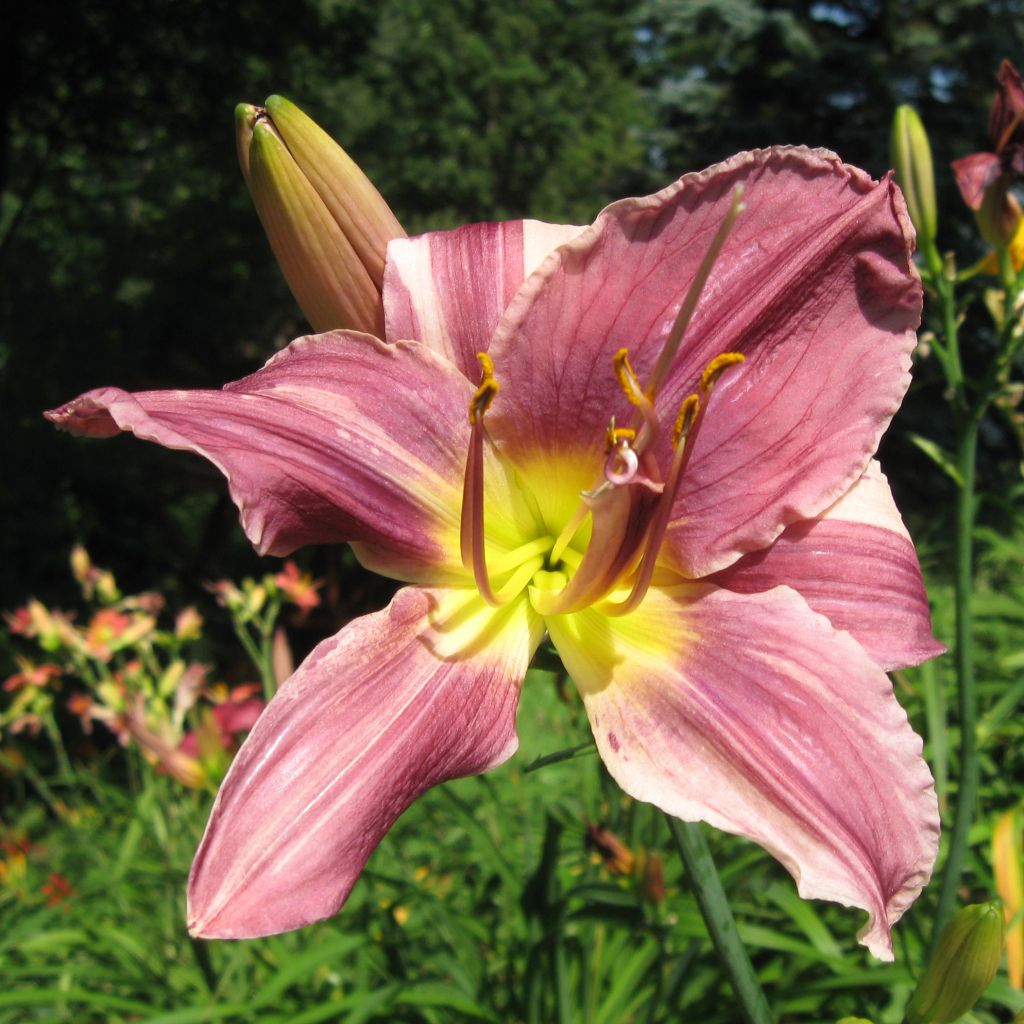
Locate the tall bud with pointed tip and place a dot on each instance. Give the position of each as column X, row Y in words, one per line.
column 965, row 961
column 328, row 226
column 912, row 159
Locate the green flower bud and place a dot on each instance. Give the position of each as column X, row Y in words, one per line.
column 327, row 224
column 965, row 961
column 912, row 158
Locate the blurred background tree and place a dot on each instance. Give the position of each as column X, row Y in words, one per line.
column 130, row 255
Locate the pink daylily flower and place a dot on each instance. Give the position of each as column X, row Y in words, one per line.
column 726, row 595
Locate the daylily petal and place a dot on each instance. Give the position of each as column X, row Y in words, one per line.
column 974, row 174
column 814, row 285
column 372, row 718
column 448, row 289
column 339, row 437
column 856, row 565
column 751, row 713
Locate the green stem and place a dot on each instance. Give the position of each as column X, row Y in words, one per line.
column 721, row 925
column 267, row 625
column 61, row 752
column 256, row 655
column 42, row 788
column 938, row 729
column 963, row 655
column 202, row 958
column 1007, row 275
column 952, row 364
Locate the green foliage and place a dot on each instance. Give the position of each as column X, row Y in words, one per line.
column 735, row 74
column 489, row 901
column 467, row 111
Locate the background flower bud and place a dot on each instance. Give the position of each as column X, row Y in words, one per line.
column 912, row 159
column 965, row 961
column 999, row 215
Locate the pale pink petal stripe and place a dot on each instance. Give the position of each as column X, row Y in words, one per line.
column 856, row 565
column 815, row 285
column 448, row 289
column 751, row 713
column 339, row 437
column 372, row 718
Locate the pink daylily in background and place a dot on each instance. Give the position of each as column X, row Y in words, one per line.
column 230, row 719
column 727, row 593
column 978, row 172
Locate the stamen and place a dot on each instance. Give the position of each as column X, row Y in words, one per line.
column 618, row 434
column 619, row 527
column 684, row 421
column 471, row 531
column 684, row 437
column 571, row 557
column 560, row 550
column 717, row 367
column 524, row 553
column 481, row 401
column 628, row 380
column 675, row 337
column 518, row 580
column 630, row 384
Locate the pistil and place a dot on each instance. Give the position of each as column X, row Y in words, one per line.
column 693, row 293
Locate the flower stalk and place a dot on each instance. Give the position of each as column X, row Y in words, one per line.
column 969, row 402
column 714, row 907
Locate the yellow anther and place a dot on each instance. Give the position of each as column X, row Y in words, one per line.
column 684, row 421
column 717, row 367
column 628, row 380
column 616, row 435
column 481, row 400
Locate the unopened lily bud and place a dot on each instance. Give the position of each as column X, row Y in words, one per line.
column 999, row 215
column 80, row 563
column 965, row 961
column 106, row 586
column 328, row 226
column 912, row 158
column 188, row 625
